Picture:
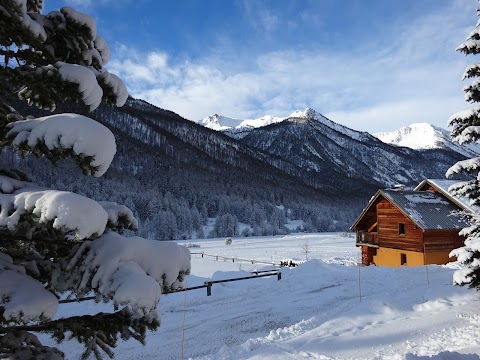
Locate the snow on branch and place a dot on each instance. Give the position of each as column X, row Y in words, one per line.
column 9, row 185
column 88, row 86
column 93, row 145
column 474, row 34
column 30, row 24
column 469, row 134
column 462, row 120
column 119, row 216
column 77, row 216
column 469, row 165
column 130, row 271
column 103, row 48
column 81, row 18
column 24, row 205
column 471, row 71
column 472, row 91
column 116, row 86
column 464, row 115
column 62, row 45
column 466, row 255
column 462, row 276
column 466, row 189
column 20, row 344
column 22, row 298
column 471, row 46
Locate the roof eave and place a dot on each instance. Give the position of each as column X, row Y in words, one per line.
column 370, row 203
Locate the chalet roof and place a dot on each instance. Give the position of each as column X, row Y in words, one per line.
column 428, row 210
column 442, row 186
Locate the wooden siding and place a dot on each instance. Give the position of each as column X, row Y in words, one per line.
column 442, row 240
column 428, row 187
column 388, row 219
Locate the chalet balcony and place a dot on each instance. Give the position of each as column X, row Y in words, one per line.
column 366, row 238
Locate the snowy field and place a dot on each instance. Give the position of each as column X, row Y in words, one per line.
column 327, row 308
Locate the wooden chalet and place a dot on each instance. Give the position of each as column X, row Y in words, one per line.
column 411, row 227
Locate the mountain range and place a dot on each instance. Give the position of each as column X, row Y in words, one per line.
column 353, row 160
column 417, row 136
column 176, row 174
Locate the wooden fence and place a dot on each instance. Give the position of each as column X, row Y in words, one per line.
column 233, row 259
column 258, row 274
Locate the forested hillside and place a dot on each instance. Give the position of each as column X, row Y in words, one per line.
column 175, row 175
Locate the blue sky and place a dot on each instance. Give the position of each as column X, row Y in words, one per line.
column 372, row 65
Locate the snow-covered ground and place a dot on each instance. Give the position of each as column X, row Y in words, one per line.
column 327, row 308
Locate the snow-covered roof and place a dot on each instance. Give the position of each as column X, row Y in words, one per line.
column 442, row 186
column 428, row 210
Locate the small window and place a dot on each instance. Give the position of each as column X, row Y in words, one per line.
column 401, row 229
column 403, row 259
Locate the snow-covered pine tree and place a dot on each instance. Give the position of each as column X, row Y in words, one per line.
column 57, row 244
column 466, row 129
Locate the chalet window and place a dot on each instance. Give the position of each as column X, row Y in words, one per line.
column 403, row 259
column 401, row 229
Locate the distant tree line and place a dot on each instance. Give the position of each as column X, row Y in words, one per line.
column 172, row 202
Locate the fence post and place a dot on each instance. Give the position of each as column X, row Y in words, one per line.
column 209, row 288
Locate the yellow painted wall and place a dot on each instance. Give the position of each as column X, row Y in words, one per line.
column 392, row 257
column 438, row 258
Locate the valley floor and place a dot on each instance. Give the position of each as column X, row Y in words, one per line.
column 327, row 308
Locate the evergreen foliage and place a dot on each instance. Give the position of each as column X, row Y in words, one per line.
column 57, row 244
column 466, row 129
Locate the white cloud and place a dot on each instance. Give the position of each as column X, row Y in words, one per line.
column 260, row 17
column 412, row 77
column 388, row 116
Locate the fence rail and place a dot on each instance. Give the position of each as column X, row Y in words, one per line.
column 208, row 284
column 253, row 261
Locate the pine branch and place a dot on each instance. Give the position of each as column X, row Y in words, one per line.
column 98, row 332
column 26, row 56
column 37, row 328
column 24, row 345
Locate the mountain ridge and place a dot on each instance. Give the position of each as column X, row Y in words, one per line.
column 417, row 136
column 420, row 136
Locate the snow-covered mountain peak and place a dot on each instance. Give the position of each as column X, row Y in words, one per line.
column 426, row 136
column 223, row 123
column 308, row 113
column 238, row 129
column 235, row 127
column 219, row 122
column 415, row 136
